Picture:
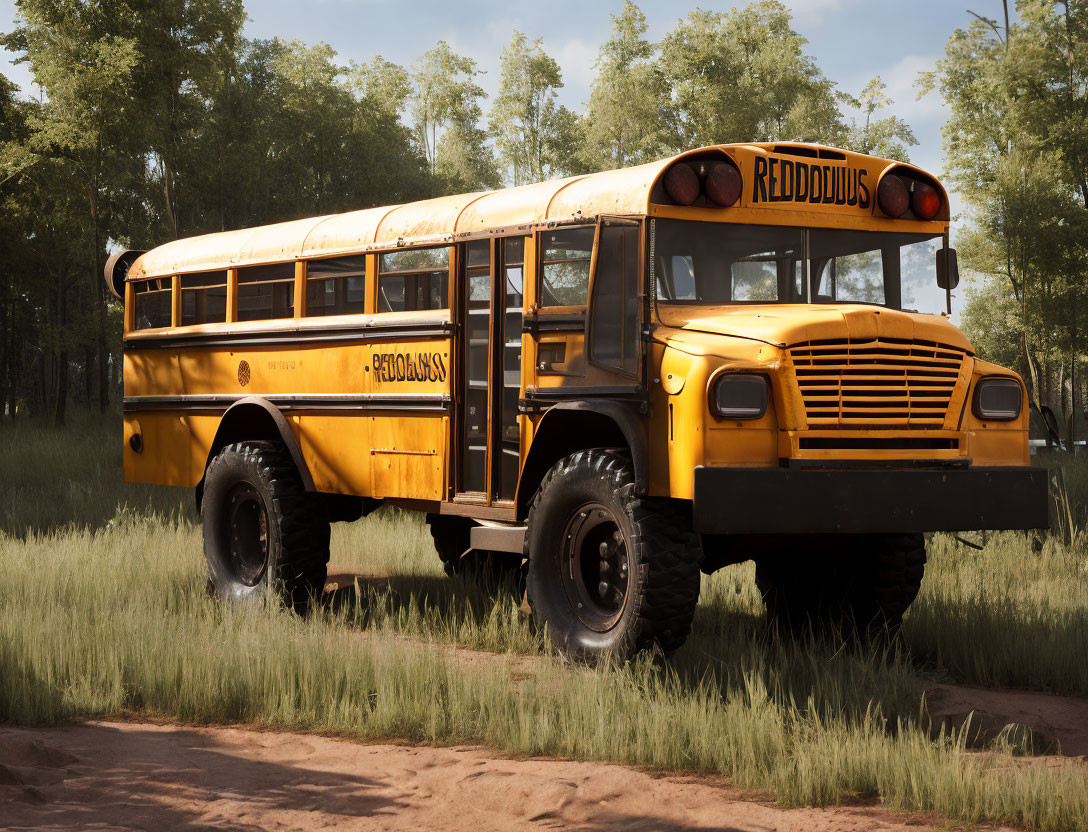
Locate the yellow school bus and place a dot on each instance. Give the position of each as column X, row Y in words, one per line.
column 606, row 383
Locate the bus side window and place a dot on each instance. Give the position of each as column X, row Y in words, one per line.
column 153, row 301
column 565, row 259
column 335, row 286
column 266, row 292
column 414, row 279
column 204, row 298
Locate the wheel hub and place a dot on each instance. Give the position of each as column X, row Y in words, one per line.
column 247, row 531
column 595, row 566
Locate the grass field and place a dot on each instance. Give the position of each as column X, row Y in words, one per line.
column 103, row 612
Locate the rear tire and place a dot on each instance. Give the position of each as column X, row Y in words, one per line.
column 859, row 587
column 609, row 573
column 452, row 539
column 263, row 533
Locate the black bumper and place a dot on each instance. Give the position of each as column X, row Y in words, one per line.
column 800, row 501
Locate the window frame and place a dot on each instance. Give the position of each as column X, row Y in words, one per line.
column 236, row 290
column 228, row 310
column 576, row 309
column 170, row 288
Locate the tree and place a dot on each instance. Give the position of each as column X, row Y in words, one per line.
column 386, row 84
column 626, row 121
column 526, row 120
column 742, row 76
column 887, row 137
column 446, row 109
column 82, row 128
column 1017, row 150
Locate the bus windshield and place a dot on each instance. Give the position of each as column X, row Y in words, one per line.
column 716, row 263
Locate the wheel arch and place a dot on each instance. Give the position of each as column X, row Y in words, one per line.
column 255, row 418
column 577, row 425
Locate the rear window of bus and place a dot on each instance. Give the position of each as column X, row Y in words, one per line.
column 154, row 303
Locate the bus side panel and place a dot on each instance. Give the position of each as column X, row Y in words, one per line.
column 156, row 443
column 163, row 442
column 336, row 448
column 378, row 428
column 395, row 455
column 408, row 456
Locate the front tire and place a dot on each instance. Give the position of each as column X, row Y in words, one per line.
column 609, row 573
column 263, row 533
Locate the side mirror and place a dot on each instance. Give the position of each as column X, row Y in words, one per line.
column 948, row 269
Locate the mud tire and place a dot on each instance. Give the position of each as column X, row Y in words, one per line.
column 290, row 559
column 661, row 552
column 452, row 536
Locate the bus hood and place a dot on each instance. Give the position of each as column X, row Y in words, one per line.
column 784, row 325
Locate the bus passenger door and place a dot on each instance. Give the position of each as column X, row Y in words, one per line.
column 488, row 427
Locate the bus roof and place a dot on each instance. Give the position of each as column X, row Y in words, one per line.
column 623, row 192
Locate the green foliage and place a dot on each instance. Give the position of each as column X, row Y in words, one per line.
column 628, row 113
column 385, row 83
column 532, row 132
column 1017, row 151
column 991, row 319
column 446, row 113
column 887, row 137
column 742, row 76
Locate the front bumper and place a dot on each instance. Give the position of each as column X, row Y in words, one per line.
column 869, row 501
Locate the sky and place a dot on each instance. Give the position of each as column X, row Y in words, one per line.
column 851, row 40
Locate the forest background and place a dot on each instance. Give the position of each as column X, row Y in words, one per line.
column 149, row 120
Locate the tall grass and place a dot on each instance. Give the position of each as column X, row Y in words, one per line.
column 95, row 623
column 53, row 479
column 109, row 615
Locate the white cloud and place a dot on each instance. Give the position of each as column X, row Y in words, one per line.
column 576, row 58
column 903, row 90
column 813, row 12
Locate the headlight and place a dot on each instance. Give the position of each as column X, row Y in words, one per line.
column 997, row 399
column 740, row 396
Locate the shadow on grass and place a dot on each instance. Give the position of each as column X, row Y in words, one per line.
column 453, row 605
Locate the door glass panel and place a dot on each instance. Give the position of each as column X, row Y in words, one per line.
column 510, row 439
column 614, row 323
column 476, row 353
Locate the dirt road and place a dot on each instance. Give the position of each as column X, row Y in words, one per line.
column 127, row 776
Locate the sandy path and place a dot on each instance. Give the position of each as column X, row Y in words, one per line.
column 122, row 776
column 1060, row 723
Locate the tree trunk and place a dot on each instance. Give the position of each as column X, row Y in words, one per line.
column 60, row 406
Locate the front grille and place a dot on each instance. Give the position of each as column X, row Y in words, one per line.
column 883, row 382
